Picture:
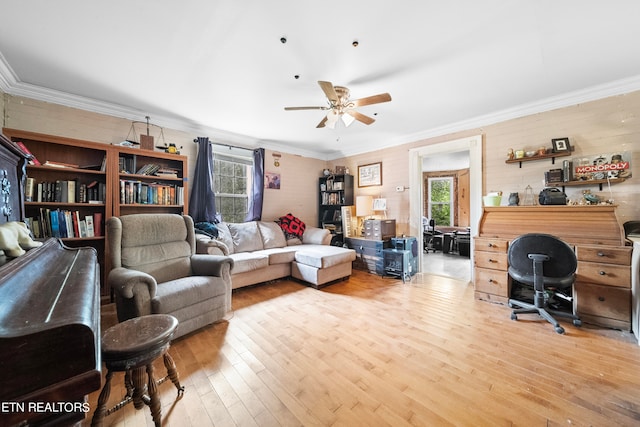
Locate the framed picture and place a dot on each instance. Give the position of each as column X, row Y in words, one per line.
column 370, row 175
column 379, row 204
column 272, row 180
column 340, row 170
column 561, row 145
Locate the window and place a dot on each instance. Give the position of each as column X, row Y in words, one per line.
column 440, row 205
column 232, row 184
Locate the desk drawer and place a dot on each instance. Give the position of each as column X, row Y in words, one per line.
column 488, row 244
column 603, row 301
column 604, row 274
column 491, row 260
column 493, row 282
column 604, row 254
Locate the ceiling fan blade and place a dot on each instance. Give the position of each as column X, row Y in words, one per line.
column 360, row 117
column 304, row 108
column 329, row 91
column 322, row 122
column 375, row 99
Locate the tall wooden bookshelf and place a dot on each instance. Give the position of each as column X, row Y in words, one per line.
column 140, row 186
column 64, row 164
column 95, row 171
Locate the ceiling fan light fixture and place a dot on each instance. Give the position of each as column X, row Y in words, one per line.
column 332, row 119
column 347, row 119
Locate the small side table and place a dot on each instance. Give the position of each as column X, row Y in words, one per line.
column 131, row 347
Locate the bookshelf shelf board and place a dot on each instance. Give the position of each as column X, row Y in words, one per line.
column 74, row 171
column 133, row 176
column 60, row 204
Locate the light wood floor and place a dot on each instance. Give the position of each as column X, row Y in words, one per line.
column 373, row 351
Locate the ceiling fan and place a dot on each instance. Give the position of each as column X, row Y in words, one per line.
column 340, row 106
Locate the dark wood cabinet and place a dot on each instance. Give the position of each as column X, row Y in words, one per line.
column 369, row 254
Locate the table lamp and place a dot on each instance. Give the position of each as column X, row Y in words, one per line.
column 364, row 208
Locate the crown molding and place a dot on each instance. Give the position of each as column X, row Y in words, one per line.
column 594, row 93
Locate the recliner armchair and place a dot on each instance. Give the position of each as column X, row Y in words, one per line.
column 155, row 270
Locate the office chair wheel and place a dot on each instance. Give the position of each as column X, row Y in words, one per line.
column 577, row 322
column 514, row 316
column 560, row 329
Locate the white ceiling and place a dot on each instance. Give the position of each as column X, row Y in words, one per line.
column 219, row 69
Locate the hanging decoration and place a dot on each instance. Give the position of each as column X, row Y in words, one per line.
column 146, row 141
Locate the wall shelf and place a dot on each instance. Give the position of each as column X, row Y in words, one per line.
column 551, row 156
column 597, row 182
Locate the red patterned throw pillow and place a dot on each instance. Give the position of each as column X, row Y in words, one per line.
column 293, row 227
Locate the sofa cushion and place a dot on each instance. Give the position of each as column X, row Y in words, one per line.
column 180, row 293
column 315, row 236
column 248, row 261
column 272, row 235
column 246, row 236
column 280, row 255
column 224, row 236
column 323, row 256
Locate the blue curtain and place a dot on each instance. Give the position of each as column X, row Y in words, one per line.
column 202, row 205
column 255, row 203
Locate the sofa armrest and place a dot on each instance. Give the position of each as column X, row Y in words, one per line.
column 211, row 265
column 127, row 282
column 316, row 236
column 207, row 245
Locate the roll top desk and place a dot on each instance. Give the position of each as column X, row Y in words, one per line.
column 602, row 293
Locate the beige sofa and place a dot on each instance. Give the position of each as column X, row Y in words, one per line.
column 261, row 252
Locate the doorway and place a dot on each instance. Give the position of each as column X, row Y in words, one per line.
column 472, row 145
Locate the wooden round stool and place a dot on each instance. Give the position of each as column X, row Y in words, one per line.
column 131, row 347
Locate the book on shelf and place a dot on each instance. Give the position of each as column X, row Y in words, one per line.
column 61, row 191
column 55, row 226
column 33, row 160
column 75, row 215
column 148, row 169
column 30, row 190
column 65, row 223
column 90, row 230
column 95, row 192
column 82, row 225
column 56, row 164
column 137, row 192
column 97, row 224
column 167, row 173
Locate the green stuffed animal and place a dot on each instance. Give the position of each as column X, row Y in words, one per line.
column 15, row 238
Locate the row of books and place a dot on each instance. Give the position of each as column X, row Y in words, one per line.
column 332, row 198
column 65, row 224
column 64, row 191
column 134, row 192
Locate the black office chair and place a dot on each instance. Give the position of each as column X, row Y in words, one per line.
column 631, row 227
column 428, row 236
column 543, row 261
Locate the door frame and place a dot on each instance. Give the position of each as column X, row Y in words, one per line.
column 473, row 144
